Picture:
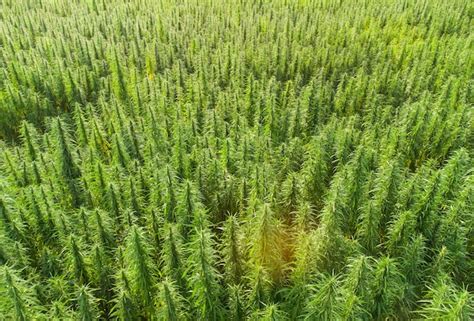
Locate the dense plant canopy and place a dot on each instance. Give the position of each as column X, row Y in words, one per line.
column 236, row 160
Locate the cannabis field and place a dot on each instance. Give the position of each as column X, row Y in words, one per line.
column 236, row 160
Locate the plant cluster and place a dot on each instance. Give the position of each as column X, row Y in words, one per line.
column 236, row 160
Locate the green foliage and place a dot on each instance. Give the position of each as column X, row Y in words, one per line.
column 444, row 301
column 18, row 300
column 139, row 268
column 87, row 310
column 387, row 288
column 203, row 276
column 236, row 160
column 169, row 303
